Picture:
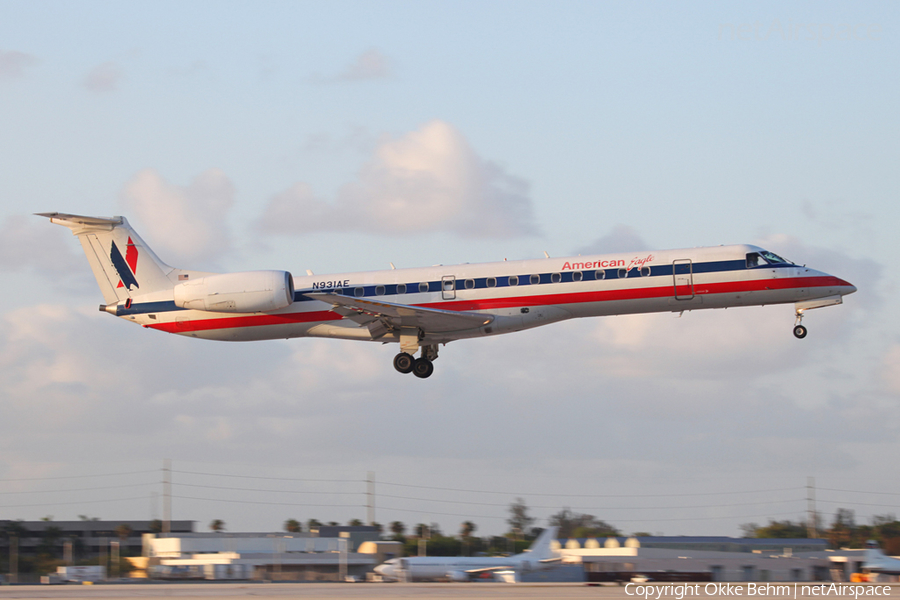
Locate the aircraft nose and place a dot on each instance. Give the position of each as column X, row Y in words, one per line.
column 849, row 288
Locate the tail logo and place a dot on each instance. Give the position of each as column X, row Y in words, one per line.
column 126, row 267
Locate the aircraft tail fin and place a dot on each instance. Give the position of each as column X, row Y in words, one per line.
column 873, row 555
column 123, row 264
column 541, row 548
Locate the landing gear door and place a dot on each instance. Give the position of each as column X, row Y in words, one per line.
column 683, row 271
column 448, row 287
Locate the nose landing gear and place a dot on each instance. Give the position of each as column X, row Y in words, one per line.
column 799, row 330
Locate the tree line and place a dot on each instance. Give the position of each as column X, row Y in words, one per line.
column 843, row 532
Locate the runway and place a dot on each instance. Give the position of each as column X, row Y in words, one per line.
column 391, row 591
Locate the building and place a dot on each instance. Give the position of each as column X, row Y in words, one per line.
column 79, row 540
column 711, row 559
column 324, row 554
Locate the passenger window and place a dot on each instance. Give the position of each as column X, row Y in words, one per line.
column 623, row 273
column 577, row 276
column 470, row 284
column 449, row 285
column 401, row 288
column 379, row 290
column 358, row 292
column 423, row 287
column 645, row 271
column 535, row 279
column 513, row 280
column 600, row 275
column 491, row 282
column 555, row 278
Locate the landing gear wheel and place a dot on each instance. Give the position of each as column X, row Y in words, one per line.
column 800, row 332
column 423, row 368
column 404, row 362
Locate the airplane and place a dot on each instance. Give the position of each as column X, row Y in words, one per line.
column 422, row 308
column 877, row 562
column 462, row 568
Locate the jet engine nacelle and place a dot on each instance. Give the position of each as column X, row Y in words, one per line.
column 246, row 292
column 458, row 576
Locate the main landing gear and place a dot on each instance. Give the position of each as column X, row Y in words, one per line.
column 421, row 367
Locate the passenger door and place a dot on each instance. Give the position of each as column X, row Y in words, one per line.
column 683, row 273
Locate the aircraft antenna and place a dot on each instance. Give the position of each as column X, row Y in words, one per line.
column 546, row 255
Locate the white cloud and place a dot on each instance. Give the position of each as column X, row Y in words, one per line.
column 371, row 64
column 30, row 242
column 14, row 63
column 427, row 181
column 622, row 238
column 890, row 371
column 104, row 77
column 368, row 66
column 185, row 222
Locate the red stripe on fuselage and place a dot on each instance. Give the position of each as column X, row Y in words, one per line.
column 245, row 321
column 728, row 287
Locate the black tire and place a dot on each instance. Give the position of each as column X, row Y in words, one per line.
column 800, row 332
column 404, row 362
column 423, row 368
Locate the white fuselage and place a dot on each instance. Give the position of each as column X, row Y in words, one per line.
column 427, row 568
column 517, row 295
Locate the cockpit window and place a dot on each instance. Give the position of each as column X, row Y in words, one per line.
column 764, row 257
column 773, row 258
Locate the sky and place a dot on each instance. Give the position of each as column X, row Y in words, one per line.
column 345, row 136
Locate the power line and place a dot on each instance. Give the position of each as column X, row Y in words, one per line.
column 860, row 492
column 219, row 487
column 294, row 504
column 90, row 489
column 860, row 503
column 30, row 504
column 271, row 478
column 78, row 476
column 524, row 494
column 598, row 508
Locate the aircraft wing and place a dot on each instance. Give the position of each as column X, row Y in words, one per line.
column 489, row 569
column 394, row 316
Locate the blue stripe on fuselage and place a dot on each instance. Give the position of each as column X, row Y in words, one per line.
column 390, row 289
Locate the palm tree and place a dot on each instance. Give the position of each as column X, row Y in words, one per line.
column 467, row 529
column 422, row 530
column 292, row 526
column 217, row 525
column 398, row 529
